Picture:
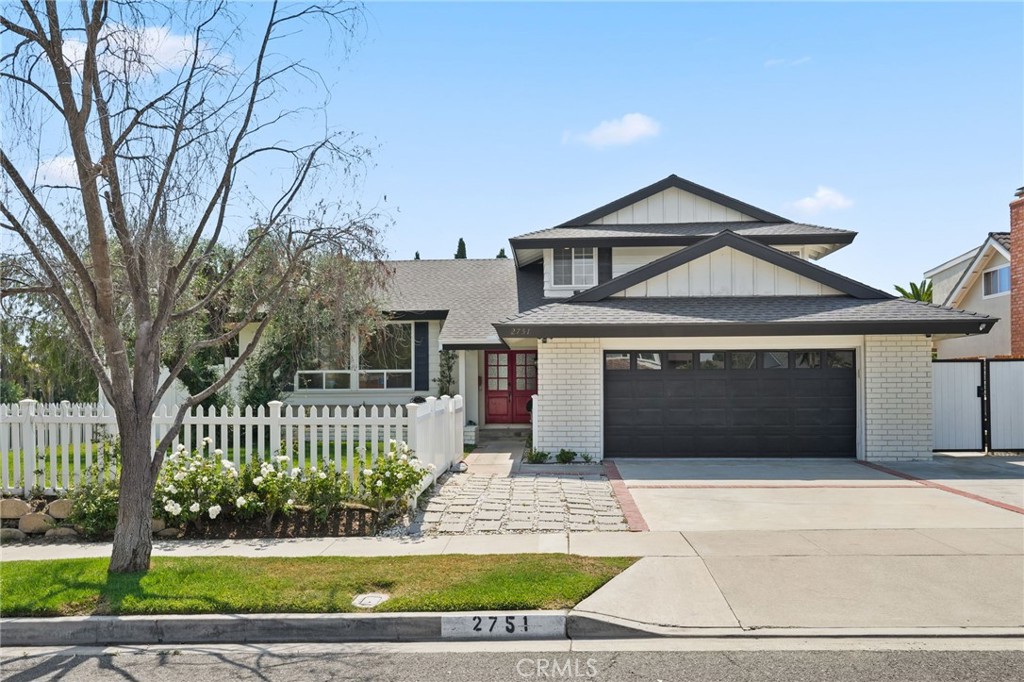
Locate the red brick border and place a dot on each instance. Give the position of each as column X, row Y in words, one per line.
column 634, row 518
column 938, row 486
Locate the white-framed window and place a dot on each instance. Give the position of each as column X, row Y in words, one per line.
column 996, row 281
column 384, row 360
column 575, row 267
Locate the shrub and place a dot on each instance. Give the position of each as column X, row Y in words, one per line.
column 94, row 506
column 536, row 456
column 395, row 476
column 324, row 491
column 268, row 488
column 587, row 457
column 193, row 487
column 566, row 456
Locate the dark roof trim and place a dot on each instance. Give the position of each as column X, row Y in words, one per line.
column 541, row 331
column 474, row 346
column 678, row 183
column 409, row 315
column 728, row 238
column 678, row 240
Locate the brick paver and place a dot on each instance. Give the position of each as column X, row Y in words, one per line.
column 468, row 503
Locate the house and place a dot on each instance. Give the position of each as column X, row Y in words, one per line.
column 980, row 280
column 675, row 321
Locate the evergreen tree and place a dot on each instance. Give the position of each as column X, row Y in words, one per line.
column 501, row 253
column 460, row 251
column 417, row 256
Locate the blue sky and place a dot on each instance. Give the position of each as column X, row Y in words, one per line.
column 910, row 115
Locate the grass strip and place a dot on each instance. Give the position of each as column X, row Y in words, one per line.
column 194, row 585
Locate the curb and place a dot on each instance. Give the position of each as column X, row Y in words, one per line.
column 406, row 627
column 266, row 628
column 587, row 625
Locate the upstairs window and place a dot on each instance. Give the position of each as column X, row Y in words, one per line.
column 574, row 267
column 997, row 281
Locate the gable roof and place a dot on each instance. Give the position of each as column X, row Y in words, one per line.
column 728, row 238
column 678, row 183
column 997, row 242
column 741, row 316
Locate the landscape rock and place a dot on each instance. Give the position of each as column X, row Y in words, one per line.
column 61, row 532
column 158, row 525
column 169, row 533
column 59, row 509
column 13, row 508
column 35, row 522
column 11, row 535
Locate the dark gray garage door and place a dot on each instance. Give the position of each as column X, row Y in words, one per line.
column 730, row 403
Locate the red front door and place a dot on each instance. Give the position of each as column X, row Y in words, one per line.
column 511, row 378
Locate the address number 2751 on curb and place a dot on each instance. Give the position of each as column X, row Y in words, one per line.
column 502, row 626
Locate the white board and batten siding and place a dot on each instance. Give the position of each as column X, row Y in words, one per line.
column 672, row 206
column 957, row 406
column 1006, row 404
column 728, row 272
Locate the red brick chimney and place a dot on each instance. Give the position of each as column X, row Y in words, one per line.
column 1017, row 274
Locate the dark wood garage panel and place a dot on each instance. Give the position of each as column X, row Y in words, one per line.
column 734, row 406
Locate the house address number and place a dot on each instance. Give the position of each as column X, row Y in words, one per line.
column 520, row 331
column 502, row 626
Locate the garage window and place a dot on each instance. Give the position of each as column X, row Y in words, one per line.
column 807, row 359
column 648, row 360
column 616, row 361
column 712, row 361
column 743, row 360
column 679, row 360
column 839, row 359
column 775, row 360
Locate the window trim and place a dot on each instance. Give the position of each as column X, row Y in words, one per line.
column 1009, row 286
column 355, row 372
column 572, row 267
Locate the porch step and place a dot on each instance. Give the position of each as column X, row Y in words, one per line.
column 501, row 431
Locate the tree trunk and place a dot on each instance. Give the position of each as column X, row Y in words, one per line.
column 133, row 536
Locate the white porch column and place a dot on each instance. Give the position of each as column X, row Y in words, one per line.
column 461, row 355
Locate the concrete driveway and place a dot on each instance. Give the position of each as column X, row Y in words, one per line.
column 820, row 494
column 823, row 544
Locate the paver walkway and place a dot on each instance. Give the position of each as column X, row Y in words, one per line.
column 474, row 504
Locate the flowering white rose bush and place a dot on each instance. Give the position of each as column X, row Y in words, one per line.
column 266, row 489
column 192, row 483
column 393, row 478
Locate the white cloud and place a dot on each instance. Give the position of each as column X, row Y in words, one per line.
column 824, row 199
column 772, row 63
column 137, row 50
column 59, row 170
column 617, row 132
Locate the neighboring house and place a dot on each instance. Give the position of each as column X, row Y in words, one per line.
column 675, row 321
column 978, row 280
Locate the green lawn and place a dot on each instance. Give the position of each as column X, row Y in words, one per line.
column 179, row 585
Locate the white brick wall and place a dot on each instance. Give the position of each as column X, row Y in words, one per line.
column 570, row 387
column 898, row 398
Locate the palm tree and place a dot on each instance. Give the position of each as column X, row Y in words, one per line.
column 917, row 292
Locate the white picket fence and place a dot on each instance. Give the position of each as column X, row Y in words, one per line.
column 54, row 447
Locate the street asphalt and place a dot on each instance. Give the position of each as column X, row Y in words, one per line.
column 617, row 665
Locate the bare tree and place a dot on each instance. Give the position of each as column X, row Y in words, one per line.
column 140, row 138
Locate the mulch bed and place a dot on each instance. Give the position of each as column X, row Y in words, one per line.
column 353, row 521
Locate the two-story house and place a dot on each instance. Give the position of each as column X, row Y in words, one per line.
column 675, row 321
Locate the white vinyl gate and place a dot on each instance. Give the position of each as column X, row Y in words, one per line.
column 957, row 405
column 1006, row 404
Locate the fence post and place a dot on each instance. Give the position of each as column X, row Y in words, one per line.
column 411, row 436
column 446, row 432
column 28, row 445
column 274, row 412
column 428, row 437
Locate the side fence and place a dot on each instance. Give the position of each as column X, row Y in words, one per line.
column 53, row 447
